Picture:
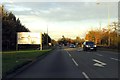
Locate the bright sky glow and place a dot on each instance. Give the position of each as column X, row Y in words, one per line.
column 70, row 19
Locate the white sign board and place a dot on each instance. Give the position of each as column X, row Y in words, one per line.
column 28, row 38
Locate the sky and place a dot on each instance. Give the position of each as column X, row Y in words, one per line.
column 70, row 19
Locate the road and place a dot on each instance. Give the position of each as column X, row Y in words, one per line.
column 74, row 63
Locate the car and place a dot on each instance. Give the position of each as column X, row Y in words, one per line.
column 89, row 45
column 72, row 46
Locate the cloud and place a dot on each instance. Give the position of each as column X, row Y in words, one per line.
column 60, row 0
column 62, row 11
column 17, row 8
column 75, row 11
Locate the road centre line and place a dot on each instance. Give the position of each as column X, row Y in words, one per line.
column 115, row 59
column 85, row 75
column 69, row 54
column 72, row 59
column 75, row 62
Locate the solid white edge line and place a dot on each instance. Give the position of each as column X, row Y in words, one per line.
column 85, row 75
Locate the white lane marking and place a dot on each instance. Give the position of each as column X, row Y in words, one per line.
column 69, row 54
column 72, row 59
column 85, row 75
column 115, row 59
column 99, row 63
column 80, row 50
column 99, row 54
column 88, row 52
column 75, row 62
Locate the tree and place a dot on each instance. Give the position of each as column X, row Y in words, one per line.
column 10, row 27
column 53, row 42
column 101, row 37
column 46, row 39
column 79, row 41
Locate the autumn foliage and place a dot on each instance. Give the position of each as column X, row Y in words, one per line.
column 105, row 37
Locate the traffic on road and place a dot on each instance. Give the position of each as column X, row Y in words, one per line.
column 68, row 62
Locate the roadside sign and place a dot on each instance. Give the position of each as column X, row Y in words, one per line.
column 28, row 38
column 32, row 38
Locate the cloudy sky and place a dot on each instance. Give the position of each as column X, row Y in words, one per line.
column 70, row 19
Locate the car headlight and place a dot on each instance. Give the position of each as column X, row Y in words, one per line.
column 95, row 46
column 87, row 46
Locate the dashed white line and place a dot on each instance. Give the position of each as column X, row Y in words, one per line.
column 69, row 54
column 115, row 59
column 85, row 75
column 72, row 59
column 75, row 62
column 99, row 54
column 88, row 52
column 80, row 50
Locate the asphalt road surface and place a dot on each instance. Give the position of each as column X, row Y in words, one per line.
column 74, row 63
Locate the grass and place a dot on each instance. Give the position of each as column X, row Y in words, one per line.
column 12, row 59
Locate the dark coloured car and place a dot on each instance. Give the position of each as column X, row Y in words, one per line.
column 89, row 45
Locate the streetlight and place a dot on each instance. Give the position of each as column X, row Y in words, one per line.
column 47, row 36
column 108, row 23
column 108, row 27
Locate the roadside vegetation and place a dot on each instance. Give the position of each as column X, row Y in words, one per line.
column 13, row 60
column 10, row 26
column 106, row 37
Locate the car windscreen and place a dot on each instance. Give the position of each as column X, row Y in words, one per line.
column 89, row 43
column 71, row 45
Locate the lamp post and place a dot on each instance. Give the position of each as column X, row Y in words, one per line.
column 108, row 27
column 108, row 15
column 47, row 36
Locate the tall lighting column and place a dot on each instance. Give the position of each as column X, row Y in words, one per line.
column 47, row 36
column 108, row 13
column 108, row 26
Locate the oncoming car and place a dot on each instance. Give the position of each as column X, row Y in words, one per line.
column 72, row 46
column 89, row 45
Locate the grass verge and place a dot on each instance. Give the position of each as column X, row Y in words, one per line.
column 13, row 60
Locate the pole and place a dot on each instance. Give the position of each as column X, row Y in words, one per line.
column 108, row 27
column 41, row 41
column 16, row 42
column 98, row 3
column 47, row 35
